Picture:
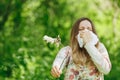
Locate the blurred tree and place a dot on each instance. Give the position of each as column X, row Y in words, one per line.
column 23, row 23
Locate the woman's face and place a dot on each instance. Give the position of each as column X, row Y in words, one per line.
column 85, row 25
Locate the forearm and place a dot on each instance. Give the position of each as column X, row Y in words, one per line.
column 60, row 62
column 102, row 63
column 61, row 58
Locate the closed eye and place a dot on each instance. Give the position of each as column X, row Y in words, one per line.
column 81, row 29
column 89, row 28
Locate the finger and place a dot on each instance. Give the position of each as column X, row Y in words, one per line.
column 57, row 71
column 86, row 37
column 81, row 34
column 87, row 34
column 53, row 73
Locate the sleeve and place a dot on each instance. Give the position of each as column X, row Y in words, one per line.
column 62, row 58
column 100, row 57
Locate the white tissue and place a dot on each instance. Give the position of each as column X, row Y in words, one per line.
column 93, row 41
column 80, row 40
column 94, row 38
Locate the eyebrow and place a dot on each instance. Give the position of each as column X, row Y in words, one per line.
column 90, row 28
column 83, row 27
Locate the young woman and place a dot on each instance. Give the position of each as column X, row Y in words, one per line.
column 86, row 58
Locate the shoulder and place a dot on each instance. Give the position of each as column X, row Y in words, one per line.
column 66, row 49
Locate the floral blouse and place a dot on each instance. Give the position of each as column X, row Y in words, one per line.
column 94, row 70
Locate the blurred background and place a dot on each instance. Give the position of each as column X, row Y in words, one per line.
column 23, row 23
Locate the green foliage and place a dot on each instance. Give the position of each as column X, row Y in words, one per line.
column 23, row 23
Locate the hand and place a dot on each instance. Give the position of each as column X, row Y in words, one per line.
column 55, row 72
column 89, row 37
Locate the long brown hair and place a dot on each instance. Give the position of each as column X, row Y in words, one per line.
column 79, row 55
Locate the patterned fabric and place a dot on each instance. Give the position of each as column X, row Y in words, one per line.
column 82, row 73
column 91, row 71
